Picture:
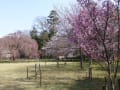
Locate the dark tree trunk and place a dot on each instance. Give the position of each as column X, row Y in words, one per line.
column 90, row 70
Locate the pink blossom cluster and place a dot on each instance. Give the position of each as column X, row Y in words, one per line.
column 19, row 45
column 96, row 28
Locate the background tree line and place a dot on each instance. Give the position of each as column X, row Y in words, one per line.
column 45, row 28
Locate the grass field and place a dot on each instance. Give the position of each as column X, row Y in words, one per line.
column 66, row 77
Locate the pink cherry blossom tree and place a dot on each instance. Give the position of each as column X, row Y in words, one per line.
column 97, row 30
column 20, row 45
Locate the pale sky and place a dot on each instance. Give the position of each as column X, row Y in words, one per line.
column 20, row 14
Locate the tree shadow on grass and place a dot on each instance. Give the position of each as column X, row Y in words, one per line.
column 86, row 84
column 12, row 87
column 59, row 84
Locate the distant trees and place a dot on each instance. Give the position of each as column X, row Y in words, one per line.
column 53, row 21
column 60, row 46
column 53, row 32
column 35, row 35
column 19, row 45
column 45, row 28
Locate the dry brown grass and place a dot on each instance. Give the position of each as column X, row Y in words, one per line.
column 66, row 77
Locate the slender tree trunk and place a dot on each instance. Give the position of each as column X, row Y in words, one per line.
column 81, row 63
column 58, row 63
column 112, row 74
column 81, row 59
column 118, row 84
column 111, row 84
column 90, row 69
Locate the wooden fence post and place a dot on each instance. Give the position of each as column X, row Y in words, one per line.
column 105, row 81
column 40, row 73
column 35, row 71
column 27, row 72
